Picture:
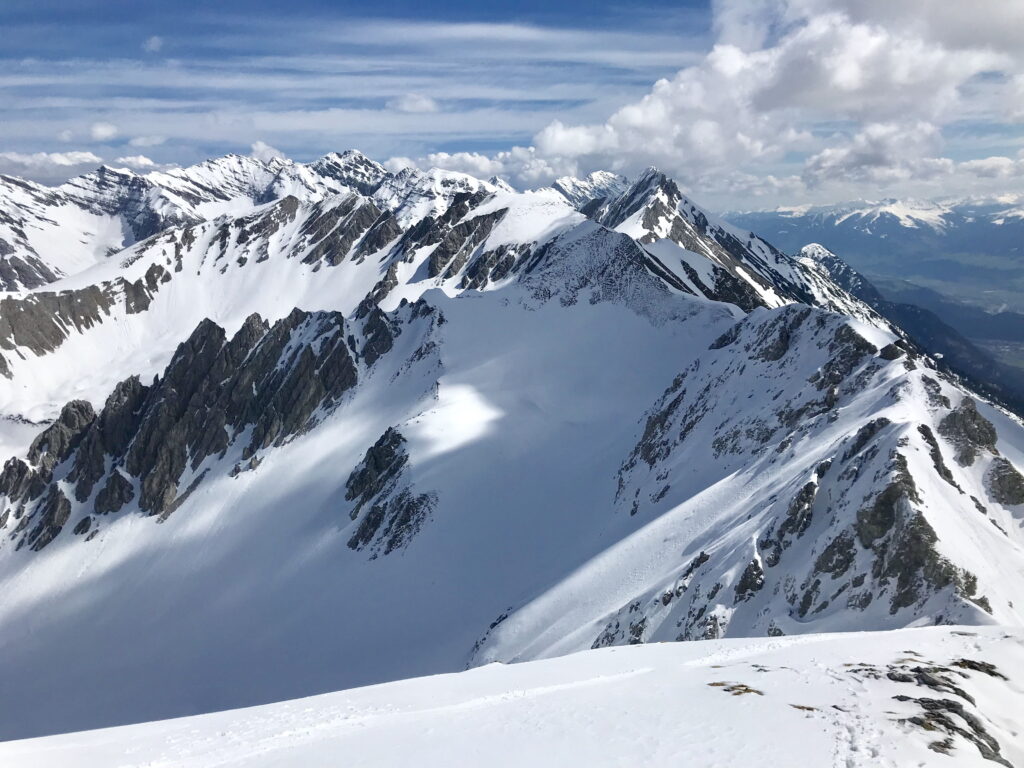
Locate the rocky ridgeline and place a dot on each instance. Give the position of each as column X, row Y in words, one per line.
column 749, row 273
column 147, row 448
column 140, row 206
column 41, row 321
column 845, row 529
column 345, row 211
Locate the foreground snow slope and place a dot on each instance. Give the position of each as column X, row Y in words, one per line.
column 915, row 697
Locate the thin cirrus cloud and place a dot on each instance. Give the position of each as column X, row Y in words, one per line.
column 324, row 86
column 774, row 100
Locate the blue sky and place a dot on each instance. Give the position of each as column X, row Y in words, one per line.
column 75, row 63
column 748, row 102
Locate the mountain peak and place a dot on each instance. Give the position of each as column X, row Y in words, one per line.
column 599, row 185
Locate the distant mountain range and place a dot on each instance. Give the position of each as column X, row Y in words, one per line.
column 972, row 250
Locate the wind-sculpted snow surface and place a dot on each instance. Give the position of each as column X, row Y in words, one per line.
column 342, row 426
column 921, row 697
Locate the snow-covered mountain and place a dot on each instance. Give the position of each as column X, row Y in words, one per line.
column 968, row 249
column 881, row 216
column 330, row 426
column 920, row 697
column 47, row 233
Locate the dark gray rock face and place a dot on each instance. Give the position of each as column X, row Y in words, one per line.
column 794, row 525
column 40, row 322
column 335, row 229
column 114, row 495
column 969, row 432
column 903, row 543
column 750, row 581
column 1005, row 483
column 936, row 453
column 267, row 381
column 25, row 271
column 392, row 524
column 57, row 441
column 381, row 465
column 150, row 446
column 380, row 337
column 459, row 242
column 395, row 512
column 53, row 513
column 492, row 266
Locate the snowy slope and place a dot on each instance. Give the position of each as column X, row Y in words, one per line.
column 44, row 234
column 47, row 233
column 922, row 697
column 468, row 424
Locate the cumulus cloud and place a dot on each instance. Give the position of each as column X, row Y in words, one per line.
column 881, row 153
column 988, row 24
column 413, row 102
column 153, row 44
column 755, row 105
column 65, row 135
column 996, row 167
column 791, row 98
column 103, row 131
column 263, row 151
column 523, row 166
column 136, row 161
column 396, row 164
column 781, row 76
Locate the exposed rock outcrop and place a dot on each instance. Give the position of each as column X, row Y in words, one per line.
column 389, row 512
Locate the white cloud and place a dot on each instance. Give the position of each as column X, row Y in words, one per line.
column 782, row 75
column 65, row 135
column 263, row 151
column 48, row 159
column 787, row 93
column 741, row 106
column 413, row 102
column 47, row 167
column 523, row 166
column 995, row 167
column 153, row 44
column 147, row 141
column 103, row 131
column 989, row 24
column 881, row 153
column 396, row 164
column 472, row 163
column 136, row 161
